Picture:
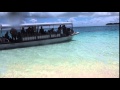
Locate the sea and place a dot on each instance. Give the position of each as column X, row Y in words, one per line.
column 93, row 53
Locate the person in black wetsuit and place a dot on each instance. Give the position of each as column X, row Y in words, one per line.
column 64, row 30
column 13, row 33
column 23, row 31
column 59, row 29
column 6, row 35
column 19, row 37
column 42, row 30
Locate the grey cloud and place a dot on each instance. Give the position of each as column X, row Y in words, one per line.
column 54, row 14
column 90, row 14
column 41, row 14
column 114, row 13
column 13, row 18
column 18, row 17
column 75, row 14
column 7, row 14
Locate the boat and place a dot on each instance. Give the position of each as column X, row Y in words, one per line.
column 33, row 34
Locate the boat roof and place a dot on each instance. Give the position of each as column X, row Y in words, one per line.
column 35, row 24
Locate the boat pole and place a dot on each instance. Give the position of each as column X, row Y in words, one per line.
column 1, row 30
column 72, row 26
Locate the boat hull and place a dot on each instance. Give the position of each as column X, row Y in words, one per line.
column 34, row 43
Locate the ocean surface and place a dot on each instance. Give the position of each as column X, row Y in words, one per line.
column 94, row 53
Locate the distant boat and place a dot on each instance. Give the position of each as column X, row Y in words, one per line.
column 34, row 35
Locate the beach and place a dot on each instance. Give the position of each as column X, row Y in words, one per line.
column 82, row 70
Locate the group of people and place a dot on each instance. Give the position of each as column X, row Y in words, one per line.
column 63, row 30
column 17, row 36
column 29, row 31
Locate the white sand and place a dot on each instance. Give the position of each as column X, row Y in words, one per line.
column 81, row 70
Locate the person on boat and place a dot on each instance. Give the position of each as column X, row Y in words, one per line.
column 28, row 31
column 52, row 30
column 6, row 35
column 59, row 29
column 72, row 31
column 4, row 40
column 32, row 30
column 23, row 31
column 45, row 32
column 64, row 30
column 68, row 31
column 13, row 33
column 0, row 40
column 42, row 30
column 19, row 36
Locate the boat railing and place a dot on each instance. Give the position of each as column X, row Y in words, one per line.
column 38, row 37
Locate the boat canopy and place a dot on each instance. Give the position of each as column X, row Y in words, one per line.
column 36, row 24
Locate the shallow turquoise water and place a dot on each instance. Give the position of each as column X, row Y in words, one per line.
column 93, row 44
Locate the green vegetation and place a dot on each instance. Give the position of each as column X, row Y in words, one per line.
column 112, row 23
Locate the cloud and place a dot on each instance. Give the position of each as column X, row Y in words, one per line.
column 14, row 14
column 96, row 18
column 97, row 21
column 88, row 14
column 3, row 14
column 13, row 18
column 33, row 20
column 40, row 14
column 71, row 19
column 24, row 21
column 59, row 14
column 59, row 20
column 102, row 14
column 75, row 14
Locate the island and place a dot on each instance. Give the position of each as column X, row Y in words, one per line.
column 112, row 23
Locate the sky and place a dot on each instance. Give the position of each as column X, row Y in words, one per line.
column 78, row 18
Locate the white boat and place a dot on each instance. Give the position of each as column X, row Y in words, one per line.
column 38, row 38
